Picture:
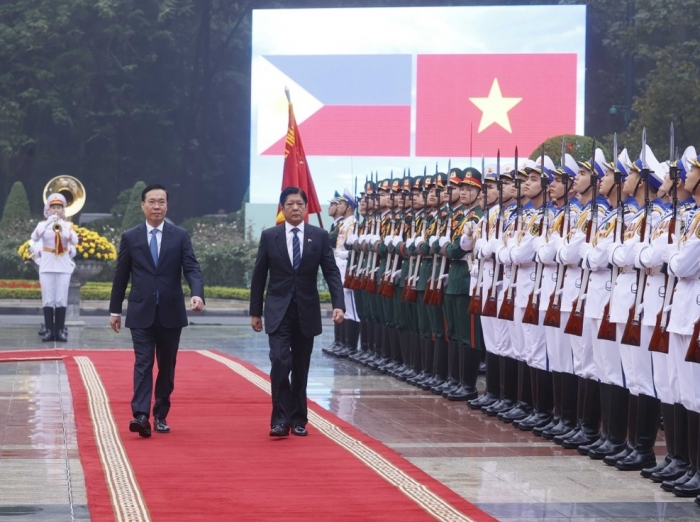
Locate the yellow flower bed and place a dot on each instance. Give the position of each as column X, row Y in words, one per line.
column 91, row 245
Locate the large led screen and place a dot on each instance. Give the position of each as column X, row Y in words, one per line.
column 389, row 89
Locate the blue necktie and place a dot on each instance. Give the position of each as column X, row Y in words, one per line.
column 154, row 245
column 296, row 249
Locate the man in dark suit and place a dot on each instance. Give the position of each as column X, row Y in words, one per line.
column 292, row 253
column 155, row 255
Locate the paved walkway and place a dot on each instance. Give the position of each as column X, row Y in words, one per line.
column 511, row 474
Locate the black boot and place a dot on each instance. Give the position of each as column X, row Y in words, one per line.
column 569, row 399
column 589, row 424
column 343, row 349
column 60, row 325
column 648, row 415
column 362, row 348
column 632, row 408
column 336, row 340
column 542, row 402
column 676, row 464
column 470, row 358
column 605, row 403
column 580, row 403
column 691, row 488
column 50, row 329
column 452, row 377
column 523, row 407
column 493, row 378
column 508, row 386
column 440, row 359
column 557, row 383
column 413, row 356
column 426, row 362
column 616, row 439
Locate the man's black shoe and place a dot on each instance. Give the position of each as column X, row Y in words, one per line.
column 299, row 431
column 139, row 424
column 279, row 430
column 161, row 426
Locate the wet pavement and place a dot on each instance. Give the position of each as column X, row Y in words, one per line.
column 511, row 474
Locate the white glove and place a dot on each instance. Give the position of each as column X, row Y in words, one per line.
column 668, row 252
column 396, row 240
column 387, row 240
column 396, row 273
column 491, row 246
column 443, row 241
column 409, row 242
column 351, row 239
column 432, row 240
column 52, row 218
column 465, row 242
column 584, row 249
column 478, row 245
column 637, row 251
column 341, row 254
column 376, row 238
column 474, row 271
column 419, row 241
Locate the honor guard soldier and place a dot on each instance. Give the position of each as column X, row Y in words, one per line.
column 409, row 276
column 353, row 279
column 464, row 329
column 345, row 226
column 508, row 365
column 513, row 285
column 682, row 261
column 58, row 240
column 557, row 305
column 483, row 272
column 337, row 216
column 658, row 300
column 594, row 208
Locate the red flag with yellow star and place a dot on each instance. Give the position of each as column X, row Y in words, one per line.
column 493, row 101
column 296, row 170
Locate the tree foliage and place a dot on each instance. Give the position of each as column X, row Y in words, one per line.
column 134, row 215
column 16, row 208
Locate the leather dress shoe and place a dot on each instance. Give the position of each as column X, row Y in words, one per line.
column 582, row 438
column 669, row 485
column 676, row 468
column 697, row 500
column 690, row 488
column 648, row 472
column 139, row 424
column 606, row 449
column 279, row 430
column 161, row 426
column 484, row 401
column 611, row 460
column 637, row 461
column 299, row 431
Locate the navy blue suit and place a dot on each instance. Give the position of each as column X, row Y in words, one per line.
column 156, row 313
column 292, row 313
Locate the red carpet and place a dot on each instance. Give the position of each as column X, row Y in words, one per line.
column 219, row 463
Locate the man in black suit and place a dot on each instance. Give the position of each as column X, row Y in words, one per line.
column 155, row 255
column 292, row 253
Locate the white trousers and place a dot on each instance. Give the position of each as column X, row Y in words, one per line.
column 516, row 332
column 685, row 375
column 637, row 363
column 536, row 343
column 606, row 354
column 561, row 358
column 54, row 289
column 582, row 349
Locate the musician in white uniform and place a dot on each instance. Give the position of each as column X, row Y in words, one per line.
column 58, row 240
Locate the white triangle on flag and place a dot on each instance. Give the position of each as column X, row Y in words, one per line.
column 271, row 101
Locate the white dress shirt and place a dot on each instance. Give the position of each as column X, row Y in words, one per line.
column 290, row 236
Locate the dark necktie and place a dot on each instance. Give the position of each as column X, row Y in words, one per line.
column 296, row 249
column 154, row 245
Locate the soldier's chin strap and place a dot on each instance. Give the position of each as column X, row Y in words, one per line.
column 695, row 187
column 590, row 185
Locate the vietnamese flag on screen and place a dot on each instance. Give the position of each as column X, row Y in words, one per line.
column 363, row 103
column 501, row 100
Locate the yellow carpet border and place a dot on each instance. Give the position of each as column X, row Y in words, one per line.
column 125, row 493
column 419, row 493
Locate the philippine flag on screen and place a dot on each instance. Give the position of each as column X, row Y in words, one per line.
column 346, row 105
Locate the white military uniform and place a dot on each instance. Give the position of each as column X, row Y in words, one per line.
column 341, row 259
column 683, row 262
column 569, row 254
column 57, row 249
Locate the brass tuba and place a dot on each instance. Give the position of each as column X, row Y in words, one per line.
column 70, row 188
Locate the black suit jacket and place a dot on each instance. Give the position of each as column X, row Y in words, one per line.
column 176, row 258
column 273, row 257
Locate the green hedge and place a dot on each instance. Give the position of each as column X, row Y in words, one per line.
column 101, row 292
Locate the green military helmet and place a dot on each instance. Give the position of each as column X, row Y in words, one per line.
column 471, row 177
column 384, row 185
column 440, row 179
column 456, row 176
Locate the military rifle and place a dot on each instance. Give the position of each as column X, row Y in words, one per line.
column 693, row 353
column 632, row 335
column 507, row 311
column 608, row 329
column 659, row 337
column 439, row 287
column 552, row 316
column 532, row 310
column 392, row 231
column 574, row 326
column 430, row 286
column 349, row 270
column 491, row 306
